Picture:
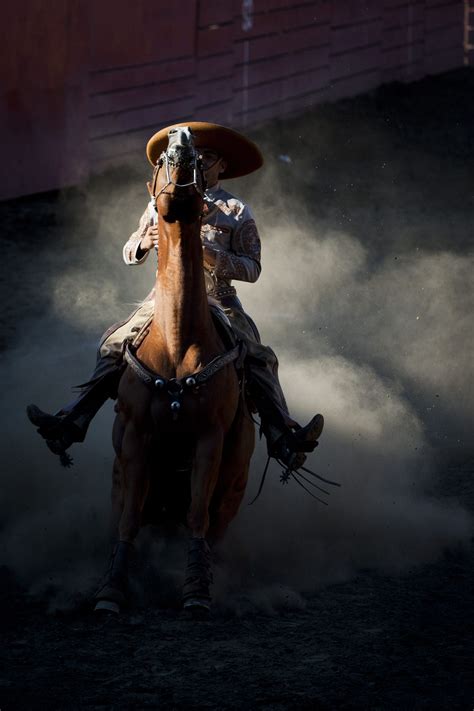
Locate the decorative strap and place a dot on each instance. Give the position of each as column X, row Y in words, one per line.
column 144, row 373
column 175, row 387
column 215, row 365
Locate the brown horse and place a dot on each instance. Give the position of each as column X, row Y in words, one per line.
column 182, row 436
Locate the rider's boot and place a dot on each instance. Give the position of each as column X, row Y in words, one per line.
column 287, row 441
column 291, row 446
column 64, row 428
column 70, row 424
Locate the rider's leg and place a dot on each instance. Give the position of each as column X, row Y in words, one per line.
column 71, row 422
column 285, row 438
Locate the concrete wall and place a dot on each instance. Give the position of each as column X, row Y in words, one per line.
column 86, row 83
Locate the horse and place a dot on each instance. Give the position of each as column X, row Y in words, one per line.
column 182, row 436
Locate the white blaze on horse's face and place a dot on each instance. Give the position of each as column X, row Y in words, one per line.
column 180, row 142
column 178, row 167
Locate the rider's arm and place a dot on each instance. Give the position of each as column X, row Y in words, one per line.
column 132, row 253
column 242, row 262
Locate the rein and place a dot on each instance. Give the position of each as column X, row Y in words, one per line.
column 176, row 388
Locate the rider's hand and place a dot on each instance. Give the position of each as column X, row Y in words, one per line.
column 150, row 239
column 210, row 255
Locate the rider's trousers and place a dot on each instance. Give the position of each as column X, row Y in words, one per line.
column 261, row 367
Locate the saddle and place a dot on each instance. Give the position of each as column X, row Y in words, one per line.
column 220, row 319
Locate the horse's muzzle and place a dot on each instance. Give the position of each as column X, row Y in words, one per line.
column 180, row 149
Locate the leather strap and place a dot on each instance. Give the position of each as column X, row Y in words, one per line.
column 144, row 373
column 149, row 377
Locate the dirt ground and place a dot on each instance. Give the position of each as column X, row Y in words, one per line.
column 375, row 641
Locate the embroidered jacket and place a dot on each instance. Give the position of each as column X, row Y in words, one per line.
column 229, row 230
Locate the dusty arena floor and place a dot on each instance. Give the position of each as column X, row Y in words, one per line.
column 368, row 605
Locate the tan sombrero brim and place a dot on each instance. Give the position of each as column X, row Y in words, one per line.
column 241, row 154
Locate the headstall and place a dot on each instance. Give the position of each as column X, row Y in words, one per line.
column 164, row 159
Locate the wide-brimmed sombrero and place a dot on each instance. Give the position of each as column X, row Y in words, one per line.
column 241, row 154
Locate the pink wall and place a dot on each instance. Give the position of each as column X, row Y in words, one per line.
column 43, row 105
column 86, row 83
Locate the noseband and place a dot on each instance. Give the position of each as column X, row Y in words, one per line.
column 164, row 159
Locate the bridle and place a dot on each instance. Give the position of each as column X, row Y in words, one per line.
column 164, row 159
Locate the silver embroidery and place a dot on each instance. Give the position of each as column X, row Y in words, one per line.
column 247, row 242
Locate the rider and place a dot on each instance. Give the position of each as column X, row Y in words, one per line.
column 231, row 251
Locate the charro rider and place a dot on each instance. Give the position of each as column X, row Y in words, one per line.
column 231, row 251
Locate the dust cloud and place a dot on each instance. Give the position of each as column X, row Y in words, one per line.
column 379, row 345
column 381, row 351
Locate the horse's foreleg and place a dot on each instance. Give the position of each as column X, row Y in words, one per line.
column 117, row 485
column 198, row 579
column 129, row 490
column 233, row 475
column 203, row 481
column 112, row 594
column 116, row 499
column 135, row 482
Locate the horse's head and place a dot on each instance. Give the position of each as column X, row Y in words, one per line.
column 178, row 181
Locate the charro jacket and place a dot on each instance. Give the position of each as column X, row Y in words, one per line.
column 229, row 230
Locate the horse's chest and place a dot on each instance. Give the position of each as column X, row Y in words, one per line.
column 183, row 412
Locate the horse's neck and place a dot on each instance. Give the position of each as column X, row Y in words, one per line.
column 181, row 314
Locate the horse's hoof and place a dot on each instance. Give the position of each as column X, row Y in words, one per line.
column 197, row 609
column 107, row 606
